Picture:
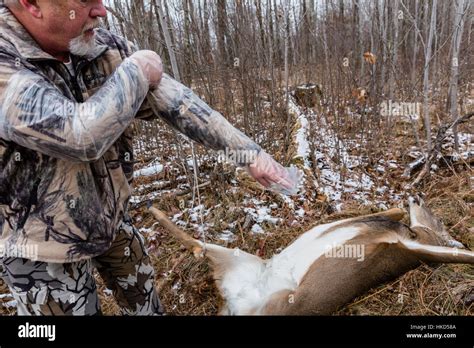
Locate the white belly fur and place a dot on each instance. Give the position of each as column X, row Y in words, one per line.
column 249, row 284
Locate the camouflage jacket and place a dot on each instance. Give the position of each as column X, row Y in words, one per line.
column 66, row 158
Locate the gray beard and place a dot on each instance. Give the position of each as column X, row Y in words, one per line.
column 82, row 47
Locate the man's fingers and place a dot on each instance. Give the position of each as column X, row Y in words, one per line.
column 273, row 175
column 278, row 179
column 151, row 65
column 263, row 181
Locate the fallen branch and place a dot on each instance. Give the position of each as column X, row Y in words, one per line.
column 162, row 282
column 436, row 150
column 189, row 191
column 413, row 166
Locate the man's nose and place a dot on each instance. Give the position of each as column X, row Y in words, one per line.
column 98, row 10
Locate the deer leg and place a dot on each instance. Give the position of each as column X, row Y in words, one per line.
column 395, row 214
column 439, row 254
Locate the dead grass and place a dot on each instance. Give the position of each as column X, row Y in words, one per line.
column 428, row 290
column 432, row 290
column 187, row 288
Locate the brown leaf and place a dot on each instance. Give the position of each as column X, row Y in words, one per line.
column 321, row 198
column 370, row 57
column 360, row 94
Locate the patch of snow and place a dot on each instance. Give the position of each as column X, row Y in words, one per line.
column 227, row 236
column 196, row 213
column 308, row 86
column 261, row 215
column 10, row 304
column 300, row 212
column 288, row 200
column 392, row 164
column 257, row 229
column 176, row 286
column 107, row 292
column 145, row 230
column 152, row 169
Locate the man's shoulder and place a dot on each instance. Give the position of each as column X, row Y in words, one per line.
column 7, row 49
column 114, row 41
column 10, row 58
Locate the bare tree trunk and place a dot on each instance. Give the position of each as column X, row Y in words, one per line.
column 394, row 54
column 196, row 33
column 205, row 25
column 361, row 23
column 383, row 28
column 221, row 31
column 287, row 74
column 169, row 44
column 443, row 23
column 258, row 8
column 186, row 42
column 174, row 65
column 270, row 57
column 456, row 43
column 426, row 74
column 325, row 39
column 341, row 10
column 277, row 41
column 470, row 26
column 415, row 46
column 372, row 49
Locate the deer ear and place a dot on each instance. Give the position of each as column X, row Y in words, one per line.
column 421, row 215
column 421, row 218
column 438, row 254
column 395, row 214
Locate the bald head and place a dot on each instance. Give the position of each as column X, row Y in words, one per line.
column 11, row 3
column 55, row 24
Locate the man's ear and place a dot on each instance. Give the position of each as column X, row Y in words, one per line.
column 32, row 7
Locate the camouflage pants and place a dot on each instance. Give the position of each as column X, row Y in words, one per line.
column 70, row 289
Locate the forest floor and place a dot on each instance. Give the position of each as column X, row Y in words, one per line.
column 233, row 211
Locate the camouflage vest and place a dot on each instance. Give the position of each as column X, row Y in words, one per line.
column 59, row 202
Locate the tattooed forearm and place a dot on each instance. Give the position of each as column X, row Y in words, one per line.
column 34, row 114
column 183, row 110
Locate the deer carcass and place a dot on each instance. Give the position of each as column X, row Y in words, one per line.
column 329, row 265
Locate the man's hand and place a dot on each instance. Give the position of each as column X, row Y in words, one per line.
column 273, row 175
column 151, row 65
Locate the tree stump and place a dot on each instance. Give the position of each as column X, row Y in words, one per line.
column 308, row 95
